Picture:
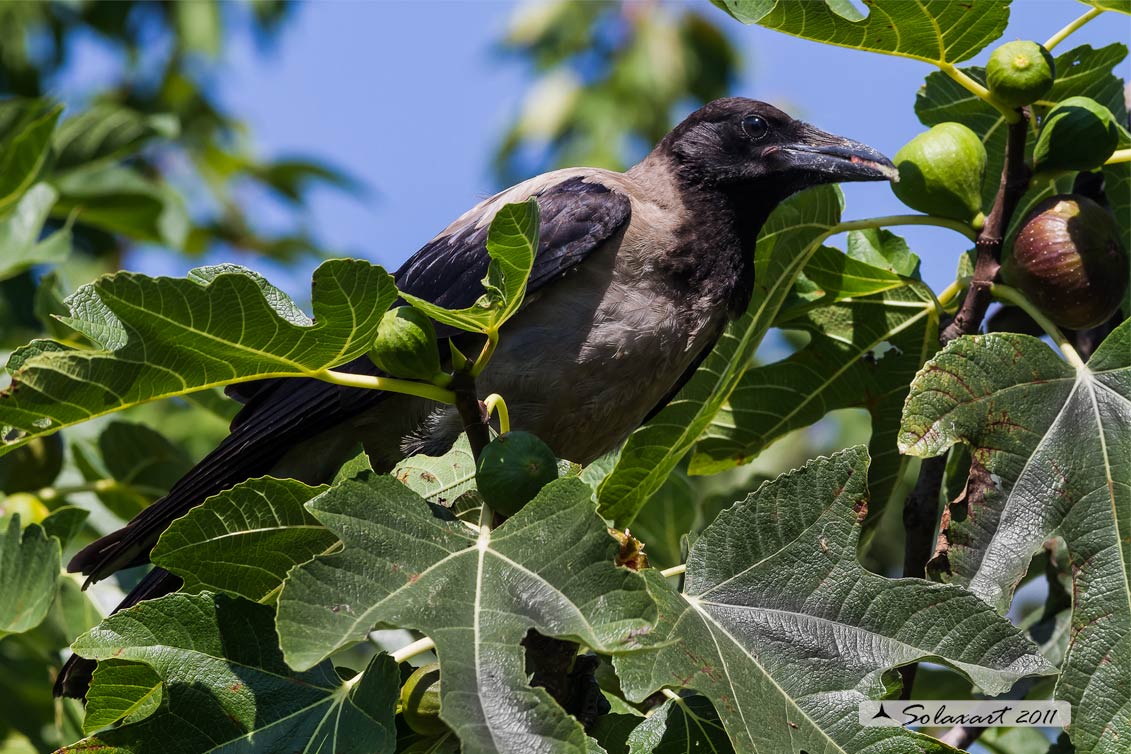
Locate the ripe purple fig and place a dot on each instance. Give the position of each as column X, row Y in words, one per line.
column 1068, row 260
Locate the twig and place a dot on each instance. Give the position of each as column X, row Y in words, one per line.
column 471, row 413
column 921, row 508
column 1014, row 181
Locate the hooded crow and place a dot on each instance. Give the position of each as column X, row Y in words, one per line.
column 635, row 277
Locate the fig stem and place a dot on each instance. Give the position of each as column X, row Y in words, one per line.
column 674, row 570
column 971, row 85
column 418, row 647
column 495, row 403
column 47, row 494
column 1072, row 26
column 1016, row 298
column 890, row 220
column 947, row 296
column 1118, row 156
column 391, row 384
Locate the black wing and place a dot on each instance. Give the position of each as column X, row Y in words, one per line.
column 577, row 216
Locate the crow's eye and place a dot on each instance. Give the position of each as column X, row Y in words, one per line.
column 755, row 127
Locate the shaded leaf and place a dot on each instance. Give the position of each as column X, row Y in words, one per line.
column 791, row 234
column 133, row 466
column 243, row 540
column 936, row 31
column 65, row 523
column 26, row 126
column 1049, row 449
column 786, row 633
column 863, row 353
column 226, row 685
column 512, row 241
column 162, row 337
column 475, row 593
column 104, row 133
column 30, row 562
column 680, row 726
column 120, row 200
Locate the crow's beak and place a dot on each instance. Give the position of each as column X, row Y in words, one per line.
column 837, row 159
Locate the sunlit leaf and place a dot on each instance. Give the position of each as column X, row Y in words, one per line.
column 937, row 31
column 512, row 241
column 20, row 245
column 105, row 133
column 162, row 337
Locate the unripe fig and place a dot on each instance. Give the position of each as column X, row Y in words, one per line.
column 406, row 345
column 940, row 172
column 420, row 701
column 30, row 508
column 512, row 469
column 1067, row 259
column 1018, row 73
column 1077, row 134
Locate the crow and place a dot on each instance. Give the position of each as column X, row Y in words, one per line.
column 635, row 277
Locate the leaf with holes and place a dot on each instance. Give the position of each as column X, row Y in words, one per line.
column 863, row 353
column 1049, row 448
column 475, row 593
column 786, row 633
column 161, row 337
column 225, row 685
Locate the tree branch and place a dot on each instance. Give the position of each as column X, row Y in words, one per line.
column 921, row 508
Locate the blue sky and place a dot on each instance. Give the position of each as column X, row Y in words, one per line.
column 409, row 97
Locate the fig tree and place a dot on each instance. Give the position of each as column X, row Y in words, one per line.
column 406, row 345
column 940, row 172
column 512, row 469
column 1077, row 134
column 420, row 701
column 1018, row 73
column 1068, row 260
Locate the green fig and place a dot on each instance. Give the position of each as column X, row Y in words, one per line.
column 1078, row 134
column 1068, row 260
column 420, row 701
column 940, row 172
column 512, row 469
column 1019, row 73
column 406, row 345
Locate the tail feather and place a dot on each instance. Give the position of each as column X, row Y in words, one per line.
column 74, row 677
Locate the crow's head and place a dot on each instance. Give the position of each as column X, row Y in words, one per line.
column 739, row 144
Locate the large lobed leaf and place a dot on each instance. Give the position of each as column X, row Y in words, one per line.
column 475, row 592
column 937, row 31
column 785, row 244
column 160, row 337
column 786, row 633
column 863, row 353
column 226, row 687
column 1049, row 457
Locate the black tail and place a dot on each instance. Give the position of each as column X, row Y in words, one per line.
column 74, row 677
